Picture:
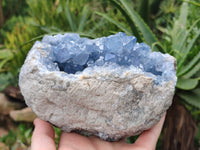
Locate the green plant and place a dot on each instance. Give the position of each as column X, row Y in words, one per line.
column 19, row 137
column 57, row 135
column 5, row 56
column 13, row 56
column 9, row 139
column 24, row 133
column 10, row 11
column 182, row 45
column 63, row 15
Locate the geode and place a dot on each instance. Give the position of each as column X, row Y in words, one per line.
column 111, row 87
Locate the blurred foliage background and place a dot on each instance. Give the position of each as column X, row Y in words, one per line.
column 168, row 26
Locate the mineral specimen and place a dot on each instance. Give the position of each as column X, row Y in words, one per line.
column 111, row 87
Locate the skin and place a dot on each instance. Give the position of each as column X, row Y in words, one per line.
column 44, row 135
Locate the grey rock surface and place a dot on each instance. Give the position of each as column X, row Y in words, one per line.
column 97, row 102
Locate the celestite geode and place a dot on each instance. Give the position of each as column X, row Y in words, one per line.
column 111, row 87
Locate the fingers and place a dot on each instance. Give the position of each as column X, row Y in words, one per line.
column 74, row 141
column 43, row 136
column 149, row 138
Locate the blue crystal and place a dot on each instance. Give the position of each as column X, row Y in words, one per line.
column 81, row 58
column 109, row 56
column 73, row 54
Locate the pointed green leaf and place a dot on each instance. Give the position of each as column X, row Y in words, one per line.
column 184, row 37
column 183, row 15
column 180, row 24
column 179, row 29
column 189, row 66
column 192, row 97
column 193, row 71
column 186, row 84
column 188, row 49
column 83, row 19
column 134, row 29
column 119, row 25
column 69, row 17
column 144, row 10
column 149, row 37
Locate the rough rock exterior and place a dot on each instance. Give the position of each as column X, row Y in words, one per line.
column 101, row 103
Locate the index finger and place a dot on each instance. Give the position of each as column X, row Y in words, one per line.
column 149, row 138
column 43, row 136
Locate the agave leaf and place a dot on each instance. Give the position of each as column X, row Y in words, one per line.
column 119, row 25
column 144, row 10
column 149, row 37
column 180, row 24
column 83, row 19
column 187, row 50
column 69, row 17
column 179, row 29
column 179, row 41
column 134, row 29
column 189, row 66
column 183, row 14
column 193, row 71
column 192, row 97
column 181, row 44
column 186, row 84
column 185, row 36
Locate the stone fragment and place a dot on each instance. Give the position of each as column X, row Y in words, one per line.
column 111, row 87
column 25, row 115
column 6, row 105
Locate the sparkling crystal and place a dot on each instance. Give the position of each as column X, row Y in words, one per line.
column 74, row 54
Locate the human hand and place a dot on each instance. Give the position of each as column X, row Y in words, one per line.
column 43, row 139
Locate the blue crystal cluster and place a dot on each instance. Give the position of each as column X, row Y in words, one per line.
column 73, row 54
